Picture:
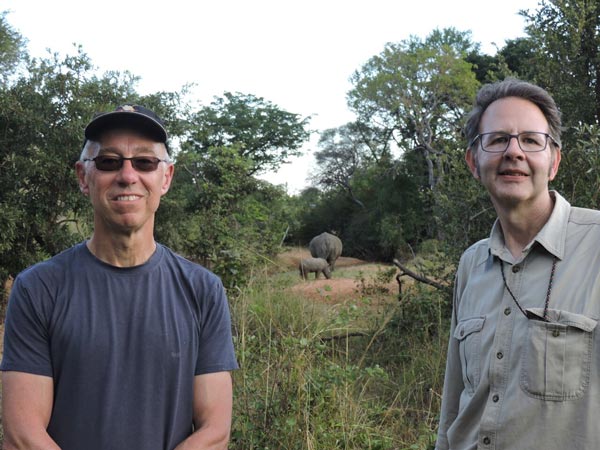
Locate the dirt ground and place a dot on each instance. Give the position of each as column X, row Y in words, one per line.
column 342, row 285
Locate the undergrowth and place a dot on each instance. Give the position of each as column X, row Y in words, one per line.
column 365, row 374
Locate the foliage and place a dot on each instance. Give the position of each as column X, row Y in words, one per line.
column 566, row 38
column 261, row 132
column 390, row 184
column 487, row 68
column 418, row 90
column 578, row 180
column 318, row 212
column 216, row 212
column 518, row 54
column 354, row 375
column 12, row 49
column 465, row 213
column 383, row 176
column 218, row 215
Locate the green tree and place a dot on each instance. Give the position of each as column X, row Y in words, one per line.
column 320, row 211
column 418, row 90
column 518, row 55
column 566, row 38
column 577, row 179
column 485, row 67
column 415, row 93
column 12, row 49
column 218, row 215
column 262, row 132
column 345, row 150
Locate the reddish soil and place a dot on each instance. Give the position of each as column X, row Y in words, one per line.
column 342, row 286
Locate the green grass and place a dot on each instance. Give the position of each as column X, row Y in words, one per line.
column 322, row 376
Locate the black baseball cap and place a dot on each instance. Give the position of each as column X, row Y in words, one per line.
column 134, row 117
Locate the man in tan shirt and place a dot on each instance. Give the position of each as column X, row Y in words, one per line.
column 523, row 368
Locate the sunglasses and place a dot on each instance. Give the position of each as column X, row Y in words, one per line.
column 114, row 163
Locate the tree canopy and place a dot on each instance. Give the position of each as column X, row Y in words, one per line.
column 261, row 132
column 216, row 210
column 389, row 182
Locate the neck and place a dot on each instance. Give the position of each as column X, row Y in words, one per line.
column 122, row 251
column 521, row 223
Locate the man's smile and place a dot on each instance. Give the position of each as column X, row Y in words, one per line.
column 513, row 173
column 127, row 198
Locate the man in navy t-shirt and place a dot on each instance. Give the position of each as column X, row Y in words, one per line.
column 119, row 343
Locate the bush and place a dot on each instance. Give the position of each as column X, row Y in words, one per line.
column 363, row 375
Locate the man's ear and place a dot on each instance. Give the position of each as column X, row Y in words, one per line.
column 168, row 177
column 81, row 179
column 555, row 163
column 471, row 159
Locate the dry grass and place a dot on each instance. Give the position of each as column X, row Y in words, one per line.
column 337, row 363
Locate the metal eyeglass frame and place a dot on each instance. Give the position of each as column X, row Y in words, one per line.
column 517, row 137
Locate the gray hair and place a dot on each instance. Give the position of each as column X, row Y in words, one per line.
column 512, row 87
column 90, row 147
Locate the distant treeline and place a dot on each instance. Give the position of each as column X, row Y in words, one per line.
column 387, row 184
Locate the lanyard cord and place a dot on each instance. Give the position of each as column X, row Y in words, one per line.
column 549, row 291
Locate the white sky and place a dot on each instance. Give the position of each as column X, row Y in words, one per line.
column 296, row 54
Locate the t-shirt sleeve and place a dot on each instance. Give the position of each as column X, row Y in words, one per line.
column 26, row 337
column 216, row 352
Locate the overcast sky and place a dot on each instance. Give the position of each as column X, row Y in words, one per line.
column 296, row 54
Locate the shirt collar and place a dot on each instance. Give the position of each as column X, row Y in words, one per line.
column 552, row 236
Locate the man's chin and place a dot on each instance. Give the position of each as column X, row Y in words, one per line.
column 508, row 199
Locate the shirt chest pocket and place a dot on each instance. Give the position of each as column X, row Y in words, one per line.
column 556, row 360
column 468, row 334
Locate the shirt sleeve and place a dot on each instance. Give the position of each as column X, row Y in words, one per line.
column 26, row 337
column 453, row 384
column 216, row 352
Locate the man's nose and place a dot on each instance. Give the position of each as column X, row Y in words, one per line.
column 127, row 173
column 514, row 149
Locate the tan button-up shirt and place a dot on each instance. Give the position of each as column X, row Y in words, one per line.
column 514, row 382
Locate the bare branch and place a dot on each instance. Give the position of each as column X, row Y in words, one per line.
column 343, row 336
column 421, row 278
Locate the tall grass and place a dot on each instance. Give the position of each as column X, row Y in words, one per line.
column 365, row 374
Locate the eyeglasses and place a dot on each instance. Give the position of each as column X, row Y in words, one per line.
column 498, row 141
column 113, row 163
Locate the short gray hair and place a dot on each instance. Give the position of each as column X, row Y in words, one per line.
column 88, row 149
column 512, row 87
column 89, row 146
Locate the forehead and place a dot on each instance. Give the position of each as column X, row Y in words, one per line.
column 513, row 114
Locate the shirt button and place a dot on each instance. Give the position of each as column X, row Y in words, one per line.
column 556, row 333
column 515, row 269
column 499, row 355
column 495, row 398
column 507, row 312
column 486, row 440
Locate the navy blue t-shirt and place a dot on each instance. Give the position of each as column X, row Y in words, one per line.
column 122, row 345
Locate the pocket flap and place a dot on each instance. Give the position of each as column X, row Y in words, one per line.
column 467, row 326
column 579, row 321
